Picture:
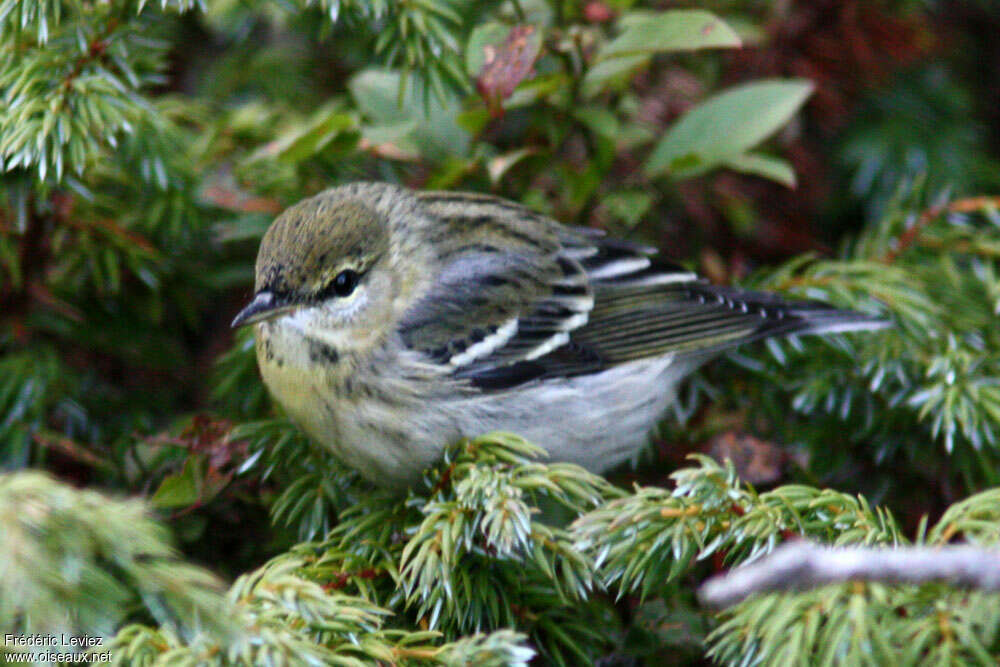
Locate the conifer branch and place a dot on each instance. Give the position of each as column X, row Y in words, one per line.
column 75, row 562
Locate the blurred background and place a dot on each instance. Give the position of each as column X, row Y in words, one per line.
column 845, row 150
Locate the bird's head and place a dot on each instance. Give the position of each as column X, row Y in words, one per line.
column 330, row 267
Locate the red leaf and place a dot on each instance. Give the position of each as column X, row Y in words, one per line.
column 507, row 65
column 597, row 12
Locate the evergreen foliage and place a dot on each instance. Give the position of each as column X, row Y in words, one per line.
column 146, row 146
column 77, row 561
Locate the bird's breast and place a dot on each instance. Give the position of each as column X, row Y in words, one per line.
column 369, row 415
column 296, row 371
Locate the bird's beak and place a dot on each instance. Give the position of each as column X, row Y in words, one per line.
column 263, row 307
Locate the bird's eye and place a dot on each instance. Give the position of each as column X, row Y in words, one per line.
column 345, row 282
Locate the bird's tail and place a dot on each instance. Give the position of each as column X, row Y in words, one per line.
column 781, row 317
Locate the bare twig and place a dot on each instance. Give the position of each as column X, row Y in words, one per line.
column 803, row 565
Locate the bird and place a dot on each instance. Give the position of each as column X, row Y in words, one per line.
column 390, row 323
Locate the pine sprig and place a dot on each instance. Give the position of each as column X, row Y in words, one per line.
column 77, row 562
column 481, row 506
column 39, row 17
column 865, row 624
column 642, row 542
column 285, row 619
column 421, row 37
column 975, row 519
column 31, row 384
column 315, row 486
column 933, row 373
column 68, row 100
column 470, row 550
column 871, row 623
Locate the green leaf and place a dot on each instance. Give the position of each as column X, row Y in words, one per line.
column 726, row 126
column 473, row 120
column 182, row 489
column 600, row 120
column 451, row 172
column 609, row 73
column 646, row 33
column 303, row 143
column 435, row 130
column 376, row 92
column 672, row 30
column 532, row 90
column 770, row 167
column 486, row 35
column 628, row 206
column 501, row 164
column 399, row 135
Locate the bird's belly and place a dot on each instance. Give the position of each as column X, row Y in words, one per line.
column 388, row 440
column 597, row 421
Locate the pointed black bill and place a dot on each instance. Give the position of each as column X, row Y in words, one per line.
column 264, row 306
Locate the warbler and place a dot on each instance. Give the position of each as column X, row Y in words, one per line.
column 390, row 323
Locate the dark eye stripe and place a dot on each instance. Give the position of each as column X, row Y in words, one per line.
column 342, row 285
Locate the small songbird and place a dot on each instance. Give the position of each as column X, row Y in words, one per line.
column 390, row 323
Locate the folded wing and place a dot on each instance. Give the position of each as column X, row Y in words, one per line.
column 521, row 298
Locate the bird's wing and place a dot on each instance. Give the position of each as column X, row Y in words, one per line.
column 521, row 297
column 511, row 290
